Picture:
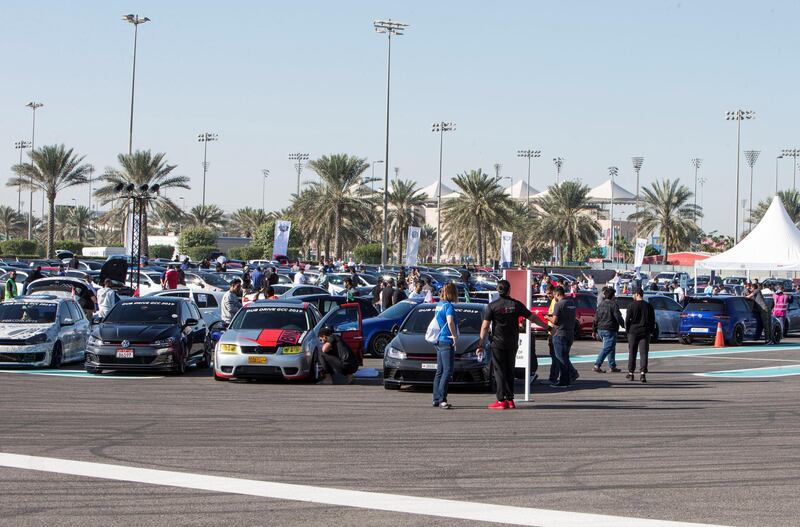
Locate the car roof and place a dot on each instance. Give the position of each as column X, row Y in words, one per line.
column 139, row 299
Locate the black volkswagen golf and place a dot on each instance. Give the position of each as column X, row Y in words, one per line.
column 150, row 333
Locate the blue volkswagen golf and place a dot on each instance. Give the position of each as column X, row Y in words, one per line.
column 701, row 315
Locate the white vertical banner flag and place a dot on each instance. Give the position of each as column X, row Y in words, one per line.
column 506, row 254
column 281, row 243
column 412, row 245
column 638, row 258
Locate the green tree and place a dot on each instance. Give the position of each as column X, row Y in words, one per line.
column 10, row 221
column 244, row 222
column 567, row 217
column 344, row 199
column 482, row 208
column 62, row 221
column 52, row 169
column 666, row 207
column 405, row 202
column 79, row 224
column 209, row 216
column 140, row 168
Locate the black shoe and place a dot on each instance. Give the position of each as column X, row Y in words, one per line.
column 643, row 377
column 574, row 377
column 629, row 375
column 614, row 369
column 435, row 404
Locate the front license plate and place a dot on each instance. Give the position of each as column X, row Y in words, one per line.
column 428, row 365
column 699, row 330
column 124, row 353
column 256, row 360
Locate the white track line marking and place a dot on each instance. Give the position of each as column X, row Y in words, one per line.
column 345, row 498
column 744, row 358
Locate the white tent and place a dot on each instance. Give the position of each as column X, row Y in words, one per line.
column 520, row 191
column 603, row 193
column 432, row 191
column 773, row 245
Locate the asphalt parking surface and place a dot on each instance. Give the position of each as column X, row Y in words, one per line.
column 683, row 447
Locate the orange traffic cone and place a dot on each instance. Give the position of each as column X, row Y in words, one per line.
column 719, row 340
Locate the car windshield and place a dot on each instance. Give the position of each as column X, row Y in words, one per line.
column 27, row 313
column 149, row 312
column 665, row 276
column 469, row 320
column 369, row 279
column 399, row 310
column 268, row 317
column 214, row 279
column 706, row 306
column 336, row 279
column 439, row 277
column 228, row 276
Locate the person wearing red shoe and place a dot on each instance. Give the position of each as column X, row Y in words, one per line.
column 503, row 316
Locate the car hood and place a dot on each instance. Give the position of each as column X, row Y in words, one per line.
column 115, row 269
column 136, row 332
column 264, row 337
column 415, row 344
column 22, row 331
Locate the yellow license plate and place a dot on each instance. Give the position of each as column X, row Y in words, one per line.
column 256, row 360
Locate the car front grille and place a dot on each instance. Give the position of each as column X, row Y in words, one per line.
column 106, row 359
column 21, row 357
column 258, row 371
column 427, row 376
column 12, row 342
column 263, row 350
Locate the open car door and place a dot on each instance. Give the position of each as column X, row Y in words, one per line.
column 346, row 322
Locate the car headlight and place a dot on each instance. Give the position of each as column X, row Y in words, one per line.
column 37, row 339
column 164, row 343
column 394, row 353
column 291, row 350
column 94, row 341
column 475, row 356
column 228, row 348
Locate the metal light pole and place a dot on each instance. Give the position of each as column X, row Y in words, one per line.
column 205, row 138
column 265, row 173
column 372, row 183
column 794, row 153
column 396, row 173
column 612, row 171
column 91, row 174
column 21, row 146
column 139, row 198
column 776, row 173
column 738, row 116
column 637, row 166
column 702, row 182
column 299, row 166
column 529, row 154
column 33, row 105
column 696, row 162
column 390, row 28
column 440, row 128
column 752, row 157
column 559, row 162
column 135, row 20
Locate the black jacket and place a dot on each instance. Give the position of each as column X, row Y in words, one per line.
column 608, row 317
column 640, row 318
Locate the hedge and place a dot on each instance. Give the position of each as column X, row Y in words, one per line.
column 196, row 237
column 370, row 253
column 73, row 246
column 19, row 247
column 198, row 253
column 248, row 252
column 161, row 251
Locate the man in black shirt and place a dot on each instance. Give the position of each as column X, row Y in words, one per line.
column 503, row 314
column 563, row 319
column 387, row 295
column 640, row 321
column 335, row 357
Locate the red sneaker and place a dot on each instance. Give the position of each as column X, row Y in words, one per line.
column 510, row 405
column 498, row 405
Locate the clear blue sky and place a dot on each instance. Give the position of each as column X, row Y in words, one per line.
column 593, row 82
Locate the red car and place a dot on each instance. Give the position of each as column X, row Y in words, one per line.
column 585, row 311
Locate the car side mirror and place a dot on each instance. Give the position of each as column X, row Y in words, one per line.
column 67, row 322
column 191, row 322
column 395, row 329
column 96, row 320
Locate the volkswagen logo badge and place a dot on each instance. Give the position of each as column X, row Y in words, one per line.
column 126, row 343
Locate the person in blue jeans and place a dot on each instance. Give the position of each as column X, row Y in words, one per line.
column 607, row 322
column 563, row 320
column 446, row 346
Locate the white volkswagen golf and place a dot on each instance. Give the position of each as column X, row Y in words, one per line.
column 42, row 331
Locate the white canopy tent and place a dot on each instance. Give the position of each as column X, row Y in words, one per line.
column 608, row 190
column 773, row 245
column 520, row 191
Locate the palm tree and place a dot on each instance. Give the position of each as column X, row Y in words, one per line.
column 210, row 216
column 405, row 204
column 666, row 207
column 245, row 221
column 62, row 221
column 566, row 217
column 52, row 169
column 343, row 196
column 140, row 168
column 427, row 242
column 482, row 208
column 79, row 224
column 167, row 220
column 791, row 202
column 10, row 221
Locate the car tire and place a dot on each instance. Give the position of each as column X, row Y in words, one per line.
column 205, row 362
column 737, row 338
column 56, row 356
column 313, row 373
column 686, row 340
column 378, row 344
column 93, row 371
column 390, row 385
column 777, row 334
column 180, row 366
